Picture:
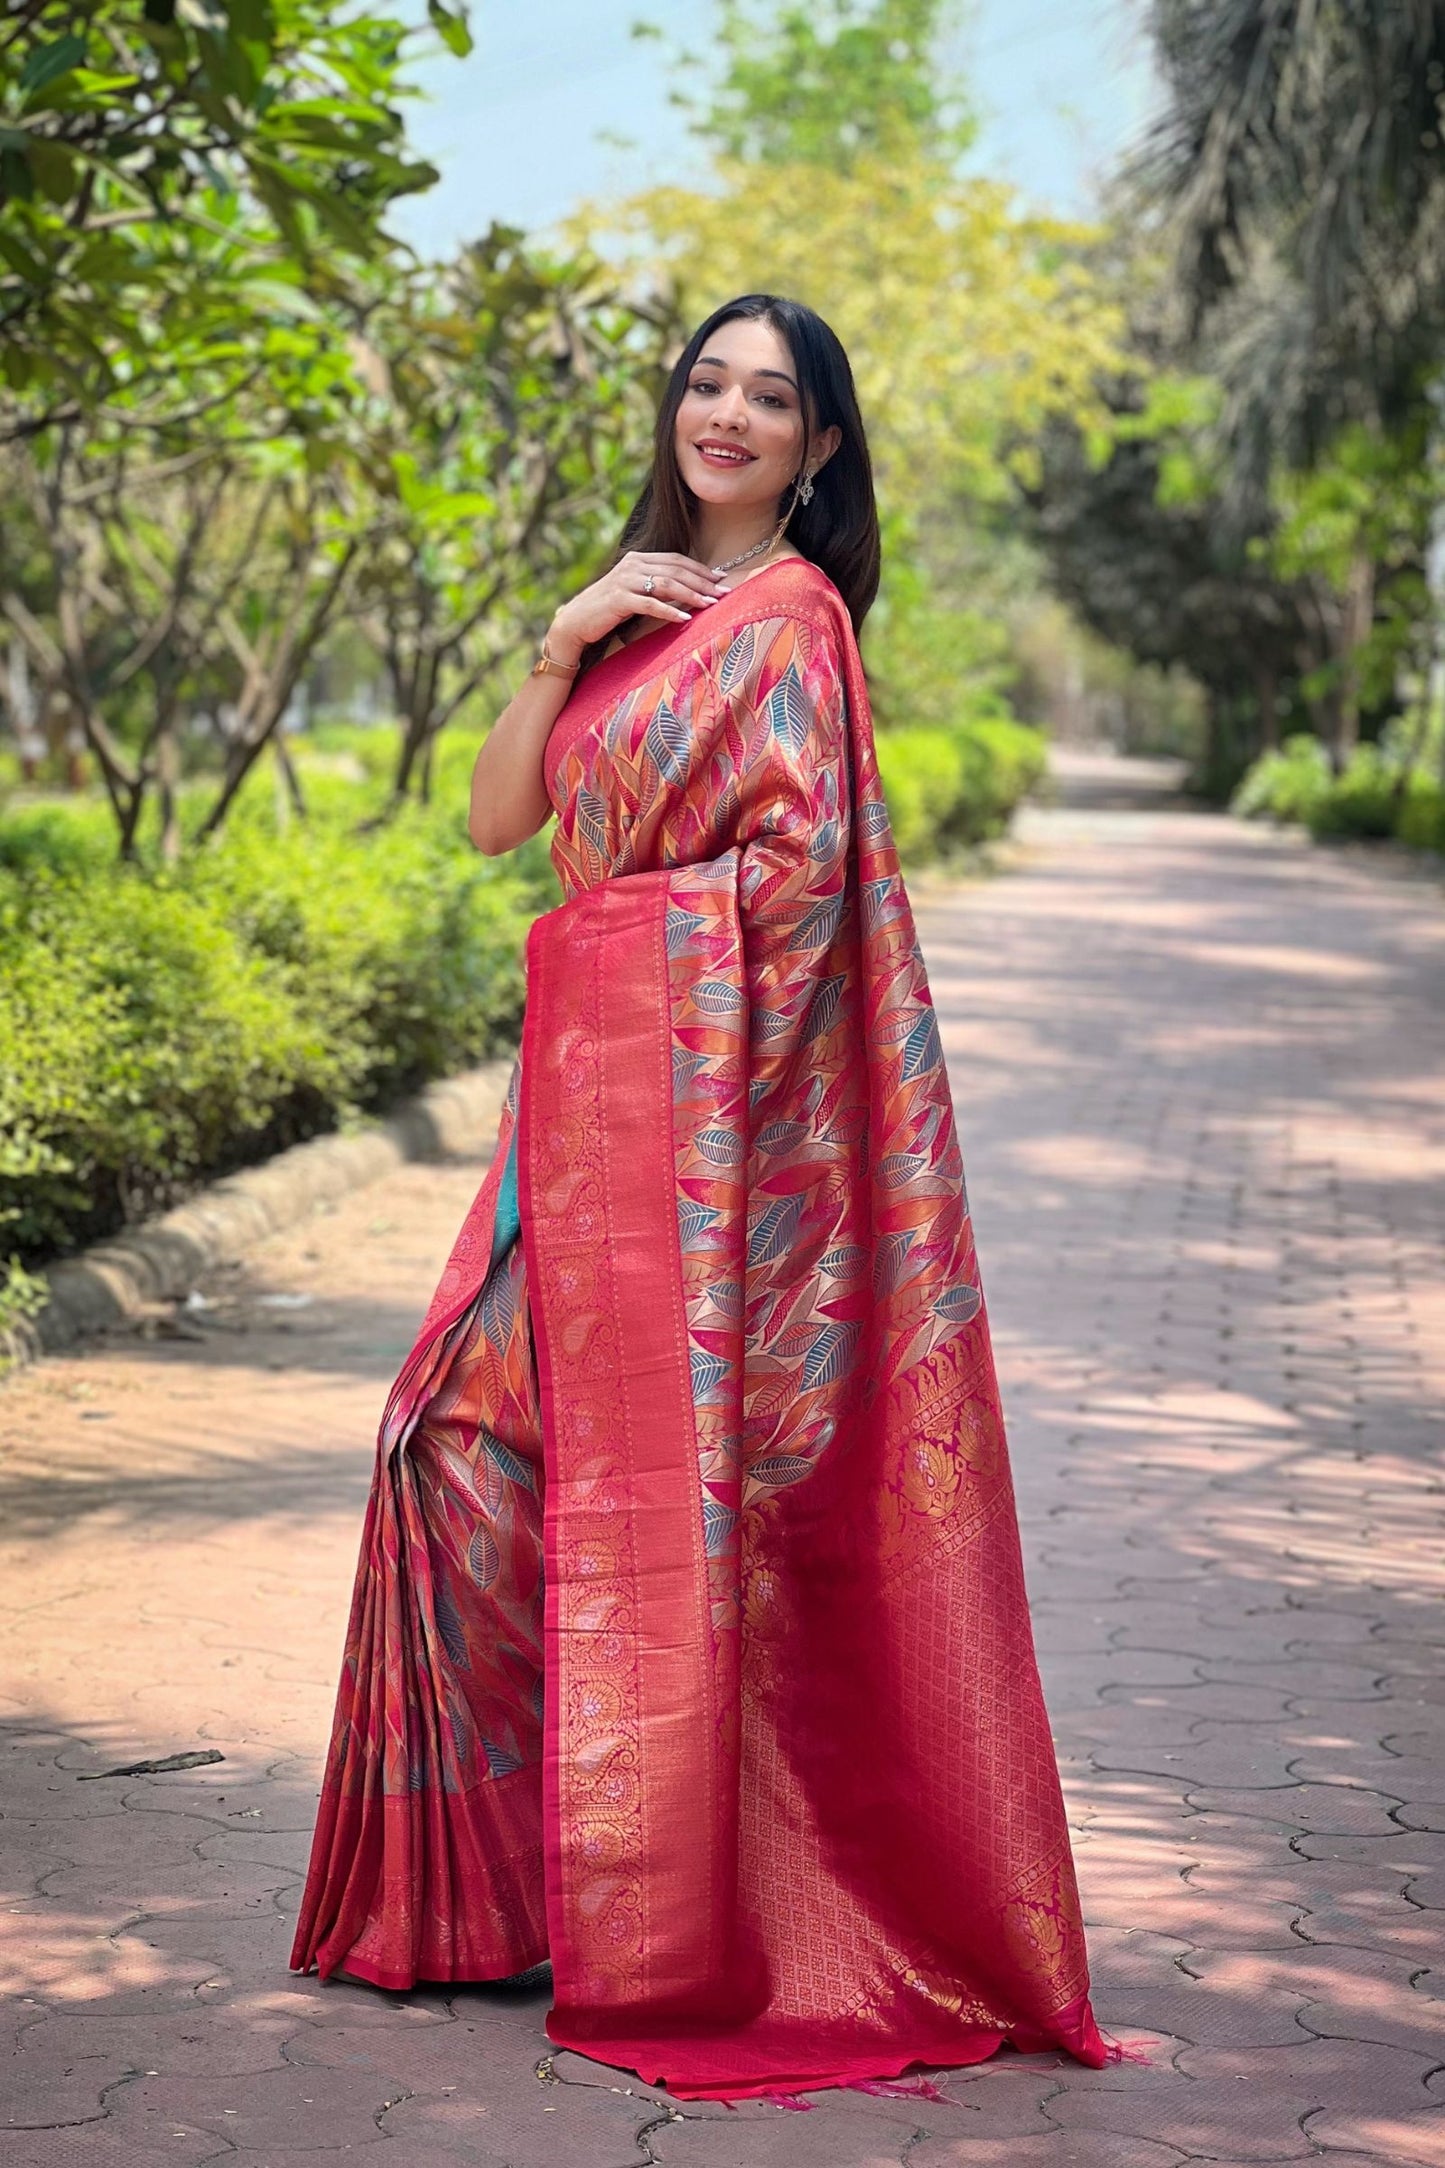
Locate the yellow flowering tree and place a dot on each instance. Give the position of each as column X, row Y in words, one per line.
column 836, row 141
column 836, row 138
column 969, row 321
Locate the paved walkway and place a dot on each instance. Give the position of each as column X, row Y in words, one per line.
column 1201, row 1076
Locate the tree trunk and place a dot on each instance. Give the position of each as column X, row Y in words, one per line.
column 417, row 703
column 1357, row 619
column 1213, row 742
column 168, row 774
column 295, row 799
column 1266, row 685
column 413, row 739
column 240, row 760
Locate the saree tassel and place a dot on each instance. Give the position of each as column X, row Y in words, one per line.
column 793, row 2101
column 915, row 2088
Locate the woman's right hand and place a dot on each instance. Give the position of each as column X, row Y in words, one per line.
column 680, row 585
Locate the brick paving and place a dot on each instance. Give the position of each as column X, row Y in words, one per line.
column 1200, row 1071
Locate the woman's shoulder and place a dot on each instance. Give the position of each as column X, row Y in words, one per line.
column 788, row 585
column 792, row 601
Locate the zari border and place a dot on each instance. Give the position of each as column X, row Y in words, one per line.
column 630, row 1792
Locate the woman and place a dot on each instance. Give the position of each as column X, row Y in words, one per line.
column 766, row 1771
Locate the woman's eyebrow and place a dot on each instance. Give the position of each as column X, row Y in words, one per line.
column 715, row 361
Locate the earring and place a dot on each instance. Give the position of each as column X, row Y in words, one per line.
column 805, row 488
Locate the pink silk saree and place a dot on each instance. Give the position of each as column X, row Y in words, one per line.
column 690, row 1644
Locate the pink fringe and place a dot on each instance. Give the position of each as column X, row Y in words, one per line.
column 794, row 2101
column 916, row 2088
column 1129, row 2051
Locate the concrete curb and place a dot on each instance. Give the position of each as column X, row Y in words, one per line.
column 161, row 1260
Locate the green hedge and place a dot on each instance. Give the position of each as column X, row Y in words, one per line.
column 1298, row 785
column 156, row 1027
column 161, row 1026
column 952, row 788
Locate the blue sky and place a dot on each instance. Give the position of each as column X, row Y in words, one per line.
column 518, row 130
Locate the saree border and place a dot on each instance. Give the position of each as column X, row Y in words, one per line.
column 630, row 1788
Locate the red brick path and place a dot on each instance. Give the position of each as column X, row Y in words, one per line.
column 1200, row 1071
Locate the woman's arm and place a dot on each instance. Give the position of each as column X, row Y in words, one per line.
column 509, row 797
column 509, row 794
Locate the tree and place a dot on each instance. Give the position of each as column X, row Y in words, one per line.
column 192, row 205
column 1354, row 528
column 521, row 390
column 838, row 85
column 163, row 567
column 1299, row 165
column 1316, row 127
column 969, row 322
column 272, row 126
column 1135, row 545
column 432, row 478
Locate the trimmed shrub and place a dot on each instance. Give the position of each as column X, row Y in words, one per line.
column 999, row 764
column 1370, row 799
column 1421, row 820
column 1287, row 785
column 157, row 1027
column 75, row 835
column 921, row 781
column 1361, row 802
column 950, row 789
column 161, row 1025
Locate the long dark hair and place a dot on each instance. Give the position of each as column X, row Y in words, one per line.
column 838, row 530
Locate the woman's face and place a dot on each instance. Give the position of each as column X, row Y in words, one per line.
column 739, row 435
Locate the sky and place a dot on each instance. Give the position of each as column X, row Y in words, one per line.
column 520, row 130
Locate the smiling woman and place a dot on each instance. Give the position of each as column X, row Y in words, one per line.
column 689, row 1644
column 742, row 411
column 748, row 468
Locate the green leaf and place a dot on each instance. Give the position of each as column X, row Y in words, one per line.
column 55, row 170
column 351, row 231
column 231, row 66
column 252, row 19
column 48, row 62
column 290, row 125
column 16, row 179
column 272, row 296
column 451, row 26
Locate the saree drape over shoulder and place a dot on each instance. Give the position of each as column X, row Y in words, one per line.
column 690, row 1644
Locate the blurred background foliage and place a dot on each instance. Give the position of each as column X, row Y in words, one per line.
column 284, row 503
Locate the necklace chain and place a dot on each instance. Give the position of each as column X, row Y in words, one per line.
column 769, row 542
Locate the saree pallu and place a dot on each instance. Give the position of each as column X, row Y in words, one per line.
column 690, row 1644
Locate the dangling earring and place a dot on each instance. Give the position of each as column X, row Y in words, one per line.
column 805, row 488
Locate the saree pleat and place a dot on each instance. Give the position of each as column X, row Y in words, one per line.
column 427, row 1859
column 782, row 1805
